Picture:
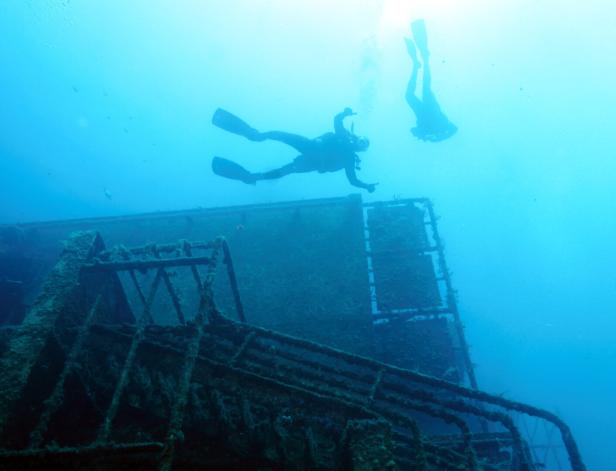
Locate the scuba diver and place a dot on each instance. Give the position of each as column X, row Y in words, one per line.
column 330, row 152
column 432, row 124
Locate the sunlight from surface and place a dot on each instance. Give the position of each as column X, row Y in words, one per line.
column 398, row 14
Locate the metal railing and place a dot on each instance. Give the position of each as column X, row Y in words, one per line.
column 252, row 370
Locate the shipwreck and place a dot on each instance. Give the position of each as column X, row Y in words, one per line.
column 311, row 335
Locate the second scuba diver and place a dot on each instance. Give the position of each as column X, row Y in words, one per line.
column 432, row 124
column 330, row 152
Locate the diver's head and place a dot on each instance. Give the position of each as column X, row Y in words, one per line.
column 436, row 131
column 361, row 144
column 419, row 133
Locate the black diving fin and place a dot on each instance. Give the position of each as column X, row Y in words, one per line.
column 229, row 169
column 229, row 122
column 420, row 35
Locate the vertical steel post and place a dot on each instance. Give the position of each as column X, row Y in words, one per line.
column 451, row 299
column 233, row 281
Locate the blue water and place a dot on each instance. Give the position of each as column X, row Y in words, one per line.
column 106, row 110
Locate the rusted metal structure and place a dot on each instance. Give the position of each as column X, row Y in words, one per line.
column 411, row 286
column 126, row 359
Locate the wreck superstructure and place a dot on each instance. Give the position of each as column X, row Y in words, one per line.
column 319, row 334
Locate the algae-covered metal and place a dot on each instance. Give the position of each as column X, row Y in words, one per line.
column 129, row 360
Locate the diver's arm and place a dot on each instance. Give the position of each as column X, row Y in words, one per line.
column 339, row 121
column 353, row 180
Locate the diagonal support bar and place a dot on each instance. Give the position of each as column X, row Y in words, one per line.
column 55, row 399
column 176, row 421
column 105, row 431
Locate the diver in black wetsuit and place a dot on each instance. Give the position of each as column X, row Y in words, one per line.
column 330, row 152
column 432, row 124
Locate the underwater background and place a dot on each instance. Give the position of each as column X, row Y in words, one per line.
column 106, row 109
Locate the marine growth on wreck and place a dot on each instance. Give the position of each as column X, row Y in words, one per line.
column 242, row 338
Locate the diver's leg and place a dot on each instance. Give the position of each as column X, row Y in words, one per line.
column 411, row 99
column 427, row 81
column 420, row 35
column 276, row 173
column 301, row 164
column 299, row 143
column 229, row 122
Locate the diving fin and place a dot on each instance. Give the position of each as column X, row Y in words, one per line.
column 420, row 35
column 229, row 169
column 229, row 122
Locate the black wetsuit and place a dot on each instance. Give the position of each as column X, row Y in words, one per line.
column 330, row 152
column 432, row 124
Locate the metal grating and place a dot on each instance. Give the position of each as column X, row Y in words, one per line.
column 410, row 282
